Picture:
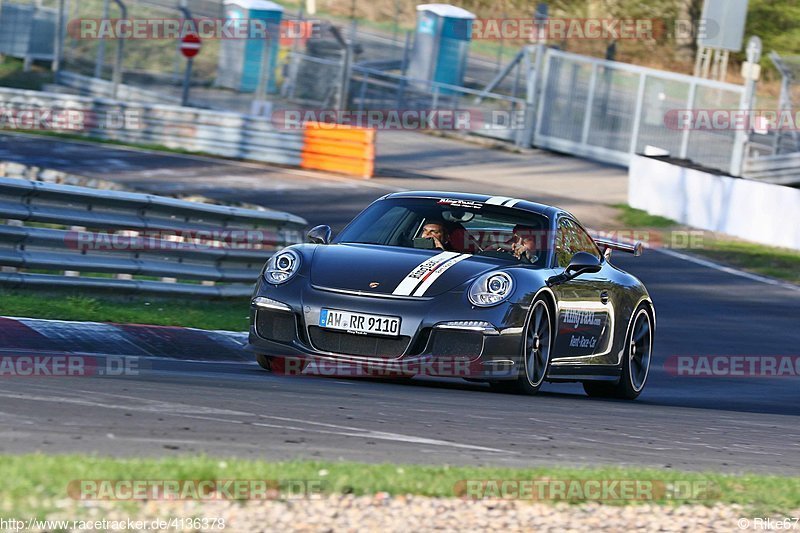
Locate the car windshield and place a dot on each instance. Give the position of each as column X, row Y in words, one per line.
column 452, row 225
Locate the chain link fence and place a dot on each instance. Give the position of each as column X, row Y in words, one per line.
column 27, row 31
column 609, row 111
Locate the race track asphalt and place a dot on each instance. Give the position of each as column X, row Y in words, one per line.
column 729, row 424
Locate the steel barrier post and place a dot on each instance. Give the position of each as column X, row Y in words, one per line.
column 117, row 77
column 535, row 94
column 637, row 116
column 739, row 152
column 101, row 46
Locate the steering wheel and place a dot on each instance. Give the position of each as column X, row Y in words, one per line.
column 497, row 251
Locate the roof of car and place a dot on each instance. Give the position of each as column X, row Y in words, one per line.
column 500, row 201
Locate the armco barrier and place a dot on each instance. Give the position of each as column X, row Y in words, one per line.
column 77, row 237
column 339, row 148
column 89, row 86
column 213, row 132
column 781, row 169
column 716, row 203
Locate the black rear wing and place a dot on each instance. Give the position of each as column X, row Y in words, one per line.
column 635, row 248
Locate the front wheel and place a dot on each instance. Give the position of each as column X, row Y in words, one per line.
column 537, row 347
column 636, row 362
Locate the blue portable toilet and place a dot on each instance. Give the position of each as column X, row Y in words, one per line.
column 240, row 59
column 441, row 44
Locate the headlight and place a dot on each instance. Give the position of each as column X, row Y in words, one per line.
column 491, row 289
column 282, row 266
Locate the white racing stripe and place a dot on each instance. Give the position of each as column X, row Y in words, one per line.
column 422, row 271
column 498, row 200
column 505, row 201
column 433, row 276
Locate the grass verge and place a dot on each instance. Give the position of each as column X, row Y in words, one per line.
column 35, row 483
column 12, row 74
column 636, row 218
column 777, row 263
column 229, row 314
column 780, row 263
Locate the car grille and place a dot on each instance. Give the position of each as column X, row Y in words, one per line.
column 456, row 343
column 277, row 326
column 362, row 345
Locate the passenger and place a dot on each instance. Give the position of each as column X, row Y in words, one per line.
column 525, row 243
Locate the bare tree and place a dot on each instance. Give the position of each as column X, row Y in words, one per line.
column 689, row 13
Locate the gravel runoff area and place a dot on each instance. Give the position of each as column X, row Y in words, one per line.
column 385, row 513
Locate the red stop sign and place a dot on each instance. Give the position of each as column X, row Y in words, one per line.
column 190, row 45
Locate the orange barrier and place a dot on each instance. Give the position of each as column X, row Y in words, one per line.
column 339, row 148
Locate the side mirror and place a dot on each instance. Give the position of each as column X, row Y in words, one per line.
column 319, row 235
column 581, row 263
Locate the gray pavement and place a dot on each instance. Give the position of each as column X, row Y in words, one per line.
column 578, row 185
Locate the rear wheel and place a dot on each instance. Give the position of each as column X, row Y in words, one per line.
column 635, row 364
column 537, row 348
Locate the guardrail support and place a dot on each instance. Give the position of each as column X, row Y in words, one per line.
column 739, row 153
column 101, row 46
column 135, row 238
column 58, row 45
column 117, row 77
column 187, row 75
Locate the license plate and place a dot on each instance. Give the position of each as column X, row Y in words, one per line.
column 359, row 323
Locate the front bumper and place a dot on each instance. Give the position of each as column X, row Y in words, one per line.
column 285, row 326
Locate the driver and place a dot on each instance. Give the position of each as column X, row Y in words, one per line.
column 524, row 243
column 436, row 230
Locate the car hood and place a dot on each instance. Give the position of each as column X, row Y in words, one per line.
column 403, row 271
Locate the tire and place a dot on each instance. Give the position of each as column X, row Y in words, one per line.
column 537, row 347
column 636, row 361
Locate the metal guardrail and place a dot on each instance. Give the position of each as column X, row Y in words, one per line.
column 781, row 169
column 97, row 87
column 215, row 132
column 77, row 237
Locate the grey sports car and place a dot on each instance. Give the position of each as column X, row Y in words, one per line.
column 486, row 288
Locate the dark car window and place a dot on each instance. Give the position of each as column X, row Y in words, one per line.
column 571, row 239
column 472, row 227
column 382, row 226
